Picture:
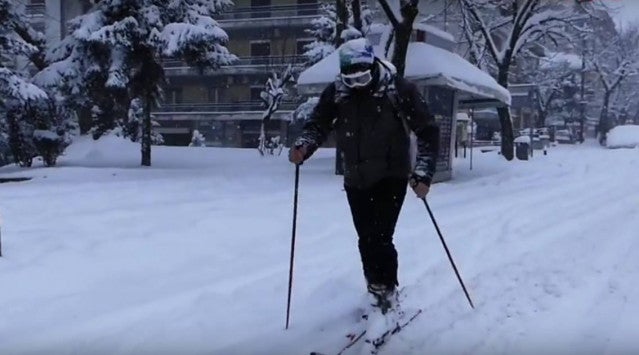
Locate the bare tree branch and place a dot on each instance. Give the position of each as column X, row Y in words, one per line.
column 389, row 13
column 483, row 28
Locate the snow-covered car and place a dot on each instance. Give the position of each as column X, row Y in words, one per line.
column 563, row 136
column 626, row 136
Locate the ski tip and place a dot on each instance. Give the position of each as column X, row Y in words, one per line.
column 316, row 353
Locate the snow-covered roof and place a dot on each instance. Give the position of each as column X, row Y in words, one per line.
column 434, row 30
column 435, row 66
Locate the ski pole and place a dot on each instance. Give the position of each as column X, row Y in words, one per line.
column 290, row 272
column 448, row 253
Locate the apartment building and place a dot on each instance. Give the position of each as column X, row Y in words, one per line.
column 225, row 105
column 50, row 16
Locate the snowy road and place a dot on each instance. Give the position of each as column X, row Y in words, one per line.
column 191, row 256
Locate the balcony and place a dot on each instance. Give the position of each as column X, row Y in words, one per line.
column 244, row 65
column 231, row 107
column 35, row 10
column 207, row 112
column 274, row 15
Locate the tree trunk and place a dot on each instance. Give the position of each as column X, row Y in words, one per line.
column 146, row 132
column 403, row 31
column 505, row 120
column 342, row 21
column 604, row 122
column 357, row 15
column 541, row 118
column 402, row 38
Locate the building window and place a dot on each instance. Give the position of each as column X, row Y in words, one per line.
column 260, row 8
column 256, row 92
column 214, row 94
column 260, row 49
column 307, row 7
column 260, row 3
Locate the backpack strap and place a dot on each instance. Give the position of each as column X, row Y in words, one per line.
column 393, row 97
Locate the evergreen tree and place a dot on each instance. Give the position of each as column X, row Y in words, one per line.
column 113, row 57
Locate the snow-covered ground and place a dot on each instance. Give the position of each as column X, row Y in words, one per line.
column 191, row 255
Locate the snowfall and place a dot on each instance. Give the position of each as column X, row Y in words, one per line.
column 191, row 255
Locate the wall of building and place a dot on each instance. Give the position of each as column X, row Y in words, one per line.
column 53, row 20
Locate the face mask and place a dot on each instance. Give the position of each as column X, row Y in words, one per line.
column 358, row 79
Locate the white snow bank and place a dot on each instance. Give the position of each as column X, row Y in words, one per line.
column 108, row 151
column 424, row 61
column 522, row 139
column 623, row 137
column 116, row 152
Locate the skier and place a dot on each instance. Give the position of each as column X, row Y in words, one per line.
column 372, row 110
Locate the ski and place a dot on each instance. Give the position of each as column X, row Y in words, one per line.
column 353, row 338
column 377, row 343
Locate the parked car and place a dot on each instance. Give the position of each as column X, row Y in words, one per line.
column 564, row 136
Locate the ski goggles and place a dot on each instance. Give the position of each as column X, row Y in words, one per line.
column 358, row 79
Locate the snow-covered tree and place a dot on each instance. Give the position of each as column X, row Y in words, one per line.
column 325, row 27
column 509, row 29
column 616, row 59
column 198, row 139
column 322, row 30
column 132, row 127
column 557, row 78
column 22, row 103
column 274, row 91
column 114, row 54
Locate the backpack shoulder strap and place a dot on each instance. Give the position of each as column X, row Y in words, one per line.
column 393, row 97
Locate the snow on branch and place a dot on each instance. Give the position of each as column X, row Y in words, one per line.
column 472, row 8
column 519, row 24
column 274, row 92
column 13, row 86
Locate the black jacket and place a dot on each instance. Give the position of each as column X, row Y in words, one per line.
column 371, row 130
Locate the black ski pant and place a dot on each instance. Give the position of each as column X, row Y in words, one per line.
column 375, row 212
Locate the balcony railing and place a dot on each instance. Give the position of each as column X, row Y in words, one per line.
column 274, row 11
column 266, row 61
column 34, row 10
column 243, row 106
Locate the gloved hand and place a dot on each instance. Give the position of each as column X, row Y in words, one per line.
column 297, row 153
column 421, row 188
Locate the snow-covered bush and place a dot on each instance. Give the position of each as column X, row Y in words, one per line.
column 198, row 139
